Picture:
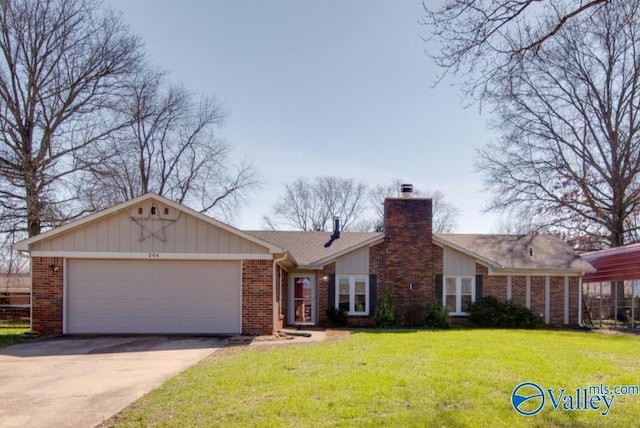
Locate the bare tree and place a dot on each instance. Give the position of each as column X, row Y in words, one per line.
column 61, row 62
column 570, row 123
column 12, row 262
column 169, row 147
column 569, row 119
column 311, row 205
column 479, row 38
column 445, row 214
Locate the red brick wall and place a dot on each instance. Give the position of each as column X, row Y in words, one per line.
column 323, row 291
column 519, row 290
column 492, row 285
column 556, row 300
column 409, row 254
column 46, row 298
column 376, row 267
column 497, row 286
column 537, row 296
column 257, row 297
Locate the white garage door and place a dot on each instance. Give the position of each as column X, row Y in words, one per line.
column 153, row 297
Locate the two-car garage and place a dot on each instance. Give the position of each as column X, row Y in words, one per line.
column 150, row 266
column 147, row 297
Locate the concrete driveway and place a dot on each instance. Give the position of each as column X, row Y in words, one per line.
column 82, row 381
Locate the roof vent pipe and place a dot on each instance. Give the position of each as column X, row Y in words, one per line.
column 406, row 190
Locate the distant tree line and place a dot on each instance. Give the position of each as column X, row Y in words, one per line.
column 311, row 205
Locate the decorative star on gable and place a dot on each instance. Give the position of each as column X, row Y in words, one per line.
column 149, row 225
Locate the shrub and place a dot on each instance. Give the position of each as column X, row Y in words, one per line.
column 386, row 314
column 437, row 316
column 490, row 312
column 336, row 317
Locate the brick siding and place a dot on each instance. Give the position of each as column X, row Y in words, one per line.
column 409, row 255
column 46, row 298
column 497, row 286
column 323, row 291
column 257, row 297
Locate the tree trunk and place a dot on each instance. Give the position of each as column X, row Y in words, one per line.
column 33, row 204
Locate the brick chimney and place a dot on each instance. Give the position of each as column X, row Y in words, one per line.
column 408, row 255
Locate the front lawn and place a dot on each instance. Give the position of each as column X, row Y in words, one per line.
column 423, row 378
column 10, row 335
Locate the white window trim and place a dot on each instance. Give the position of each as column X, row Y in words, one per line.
column 352, row 293
column 458, row 294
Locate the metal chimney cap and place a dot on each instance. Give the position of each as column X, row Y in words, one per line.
column 406, row 190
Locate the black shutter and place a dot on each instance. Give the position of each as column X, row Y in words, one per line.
column 373, row 294
column 478, row 287
column 331, row 303
column 439, row 281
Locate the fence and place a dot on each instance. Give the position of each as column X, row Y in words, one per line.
column 15, row 309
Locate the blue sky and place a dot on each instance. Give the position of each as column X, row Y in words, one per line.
column 333, row 87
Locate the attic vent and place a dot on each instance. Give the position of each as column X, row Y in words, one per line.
column 140, row 210
column 531, row 251
column 153, row 210
column 406, row 190
column 166, row 211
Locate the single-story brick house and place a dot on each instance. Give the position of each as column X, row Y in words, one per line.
column 150, row 265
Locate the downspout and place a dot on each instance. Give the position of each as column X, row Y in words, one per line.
column 274, row 302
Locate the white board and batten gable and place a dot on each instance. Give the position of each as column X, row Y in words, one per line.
column 354, row 262
column 148, row 227
column 457, row 263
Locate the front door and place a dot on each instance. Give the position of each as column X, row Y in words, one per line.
column 303, row 294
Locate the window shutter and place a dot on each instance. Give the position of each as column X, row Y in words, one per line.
column 373, row 296
column 439, row 291
column 331, row 303
column 478, row 287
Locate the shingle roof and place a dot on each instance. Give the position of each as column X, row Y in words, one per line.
column 536, row 252
column 502, row 252
column 308, row 247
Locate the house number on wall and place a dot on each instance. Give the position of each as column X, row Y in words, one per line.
column 154, row 255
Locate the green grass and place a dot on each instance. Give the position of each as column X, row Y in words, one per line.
column 424, row 378
column 11, row 335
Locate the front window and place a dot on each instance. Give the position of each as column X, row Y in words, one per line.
column 459, row 293
column 353, row 294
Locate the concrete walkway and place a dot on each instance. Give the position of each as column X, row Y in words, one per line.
column 80, row 382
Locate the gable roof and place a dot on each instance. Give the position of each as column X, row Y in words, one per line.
column 25, row 244
column 517, row 252
column 307, row 248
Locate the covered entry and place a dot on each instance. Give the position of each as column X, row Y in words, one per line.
column 140, row 296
